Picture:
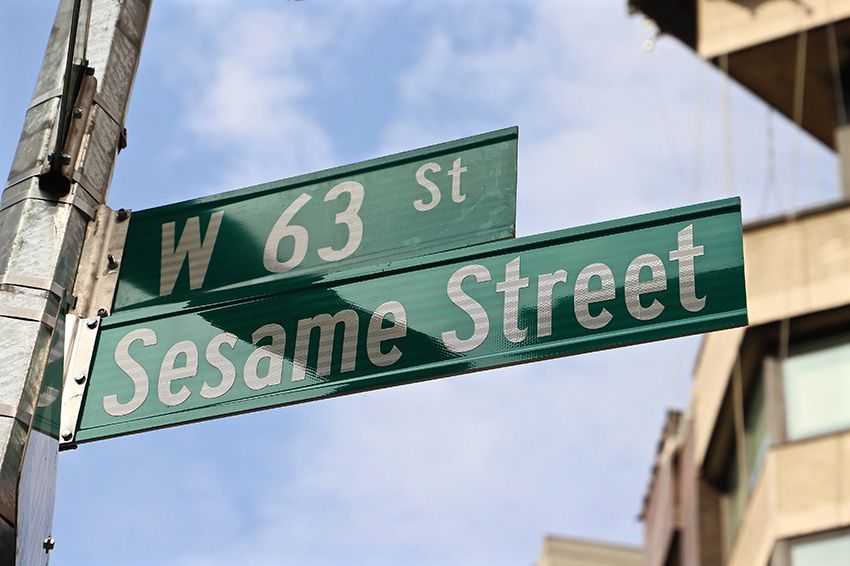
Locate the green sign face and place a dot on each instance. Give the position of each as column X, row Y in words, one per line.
column 612, row 284
column 296, row 231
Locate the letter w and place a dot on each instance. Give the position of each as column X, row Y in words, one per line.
column 190, row 245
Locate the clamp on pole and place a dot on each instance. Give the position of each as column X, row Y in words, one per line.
column 94, row 289
column 56, row 178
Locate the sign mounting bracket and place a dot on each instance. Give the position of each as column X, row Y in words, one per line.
column 94, row 289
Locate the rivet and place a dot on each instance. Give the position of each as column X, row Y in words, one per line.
column 67, row 435
column 122, row 214
column 91, row 323
column 80, row 378
column 48, row 544
column 102, row 313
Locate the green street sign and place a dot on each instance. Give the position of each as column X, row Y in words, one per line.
column 612, row 284
column 299, row 230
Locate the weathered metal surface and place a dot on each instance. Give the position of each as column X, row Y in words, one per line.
column 602, row 286
column 41, row 236
column 79, row 350
column 100, row 263
column 297, row 230
column 37, row 489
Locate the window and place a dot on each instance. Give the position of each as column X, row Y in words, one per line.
column 829, row 550
column 753, row 448
column 756, row 432
column 734, row 503
column 817, row 387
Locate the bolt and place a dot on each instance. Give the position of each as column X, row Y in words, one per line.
column 80, row 378
column 48, row 544
column 110, row 262
column 91, row 323
column 64, row 159
column 102, row 313
column 78, row 113
column 122, row 214
column 67, row 435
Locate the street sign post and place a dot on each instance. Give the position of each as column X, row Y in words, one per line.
column 298, row 230
column 606, row 285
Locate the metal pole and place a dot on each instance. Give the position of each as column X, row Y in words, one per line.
column 41, row 236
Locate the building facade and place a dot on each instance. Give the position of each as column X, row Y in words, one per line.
column 757, row 471
column 564, row 551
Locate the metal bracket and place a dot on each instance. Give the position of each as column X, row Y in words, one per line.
column 100, row 262
column 67, row 139
column 107, row 109
column 39, row 283
column 80, row 338
column 12, row 412
column 86, row 184
column 28, row 314
column 28, row 174
column 73, row 198
column 94, row 287
column 44, row 97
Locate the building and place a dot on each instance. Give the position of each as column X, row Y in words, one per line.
column 562, row 551
column 756, row 472
column 793, row 54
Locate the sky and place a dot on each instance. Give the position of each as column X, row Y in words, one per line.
column 468, row 470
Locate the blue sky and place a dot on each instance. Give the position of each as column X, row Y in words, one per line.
column 469, row 470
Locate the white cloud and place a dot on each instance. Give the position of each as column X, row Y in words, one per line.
column 475, row 469
column 252, row 113
column 607, row 130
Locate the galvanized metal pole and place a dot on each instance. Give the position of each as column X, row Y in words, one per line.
column 41, row 236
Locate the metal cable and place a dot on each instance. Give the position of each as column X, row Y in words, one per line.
column 729, row 155
column 797, row 114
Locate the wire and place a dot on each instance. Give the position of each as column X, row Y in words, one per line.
column 797, row 113
column 698, row 146
column 665, row 120
column 727, row 126
column 837, row 84
column 770, row 170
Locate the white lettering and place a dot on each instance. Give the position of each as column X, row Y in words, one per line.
column 281, row 230
column 327, row 325
column 470, row 306
column 584, row 296
column 426, row 183
column 545, row 285
column 170, row 372
column 190, row 245
column 510, row 287
column 222, row 364
column 134, row 371
column 687, row 274
column 272, row 352
column 635, row 287
column 377, row 333
column 348, row 217
column 455, row 172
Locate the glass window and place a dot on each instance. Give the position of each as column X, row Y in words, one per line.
column 755, row 445
column 734, row 503
column 817, row 387
column 756, row 432
column 827, row 551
